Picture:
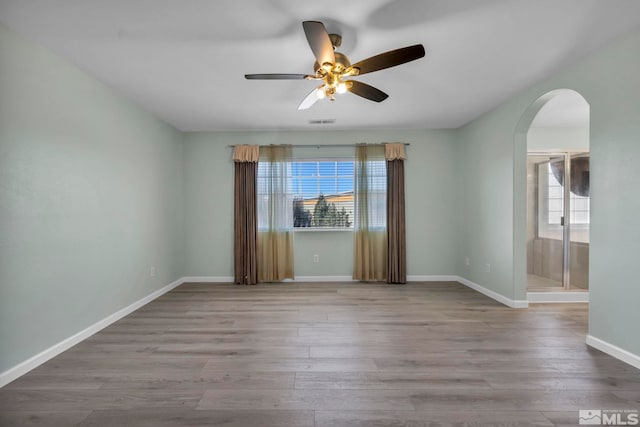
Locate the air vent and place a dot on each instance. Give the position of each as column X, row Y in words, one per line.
column 322, row 122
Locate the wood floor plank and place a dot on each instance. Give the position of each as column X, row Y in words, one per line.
column 79, row 400
column 210, row 380
column 306, row 399
column 633, row 397
column 560, row 381
column 185, row 417
column 430, row 418
column 371, row 351
column 563, row 400
column 327, row 354
column 291, row 365
column 33, row 418
column 386, row 380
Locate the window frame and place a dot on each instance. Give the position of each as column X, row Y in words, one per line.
column 304, row 159
column 545, row 229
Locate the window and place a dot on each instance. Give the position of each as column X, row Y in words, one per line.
column 373, row 188
column 551, row 200
column 322, row 193
column 555, row 197
column 579, row 213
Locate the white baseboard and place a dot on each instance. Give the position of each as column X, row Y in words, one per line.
column 207, row 279
column 493, row 295
column 614, row 351
column 557, row 297
column 350, row 279
column 22, row 368
column 229, row 279
column 323, row 279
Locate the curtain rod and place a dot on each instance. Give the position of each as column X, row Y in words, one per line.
column 314, row 145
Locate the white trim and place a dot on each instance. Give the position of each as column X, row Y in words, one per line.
column 33, row 362
column 558, row 297
column 299, row 279
column 207, row 279
column 614, row 351
column 494, row 295
column 350, row 279
column 229, row 279
column 433, row 278
column 323, row 279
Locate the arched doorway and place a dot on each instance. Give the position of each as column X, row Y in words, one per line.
column 551, row 222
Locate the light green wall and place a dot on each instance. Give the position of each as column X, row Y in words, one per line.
column 558, row 139
column 493, row 164
column 90, row 198
column 430, row 174
column 486, row 205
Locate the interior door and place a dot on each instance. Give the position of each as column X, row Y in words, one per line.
column 546, row 225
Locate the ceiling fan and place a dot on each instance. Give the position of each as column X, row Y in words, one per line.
column 333, row 67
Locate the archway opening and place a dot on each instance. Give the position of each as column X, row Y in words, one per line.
column 552, row 205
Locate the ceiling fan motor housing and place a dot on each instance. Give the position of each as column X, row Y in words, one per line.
column 336, row 40
column 341, row 64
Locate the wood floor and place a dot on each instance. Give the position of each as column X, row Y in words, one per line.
column 327, row 355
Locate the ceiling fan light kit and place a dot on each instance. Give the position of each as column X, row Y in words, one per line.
column 333, row 67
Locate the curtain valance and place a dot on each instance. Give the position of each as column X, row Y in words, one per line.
column 246, row 153
column 394, row 151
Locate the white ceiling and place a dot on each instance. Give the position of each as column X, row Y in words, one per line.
column 184, row 60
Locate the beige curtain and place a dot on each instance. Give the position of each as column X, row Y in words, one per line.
column 244, row 219
column 370, row 234
column 396, row 228
column 275, row 214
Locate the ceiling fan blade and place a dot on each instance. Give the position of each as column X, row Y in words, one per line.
column 366, row 91
column 310, row 99
column 279, row 77
column 319, row 42
column 390, row 59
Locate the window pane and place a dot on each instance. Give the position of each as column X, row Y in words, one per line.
column 327, row 186
column 345, row 169
column 324, row 194
column 308, row 168
column 345, row 184
column 555, row 204
column 555, row 191
column 327, row 168
column 308, row 187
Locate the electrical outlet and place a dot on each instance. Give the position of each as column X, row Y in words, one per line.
column 316, row 258
column 487, row 268
column 152, row 271
column 467, row 261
